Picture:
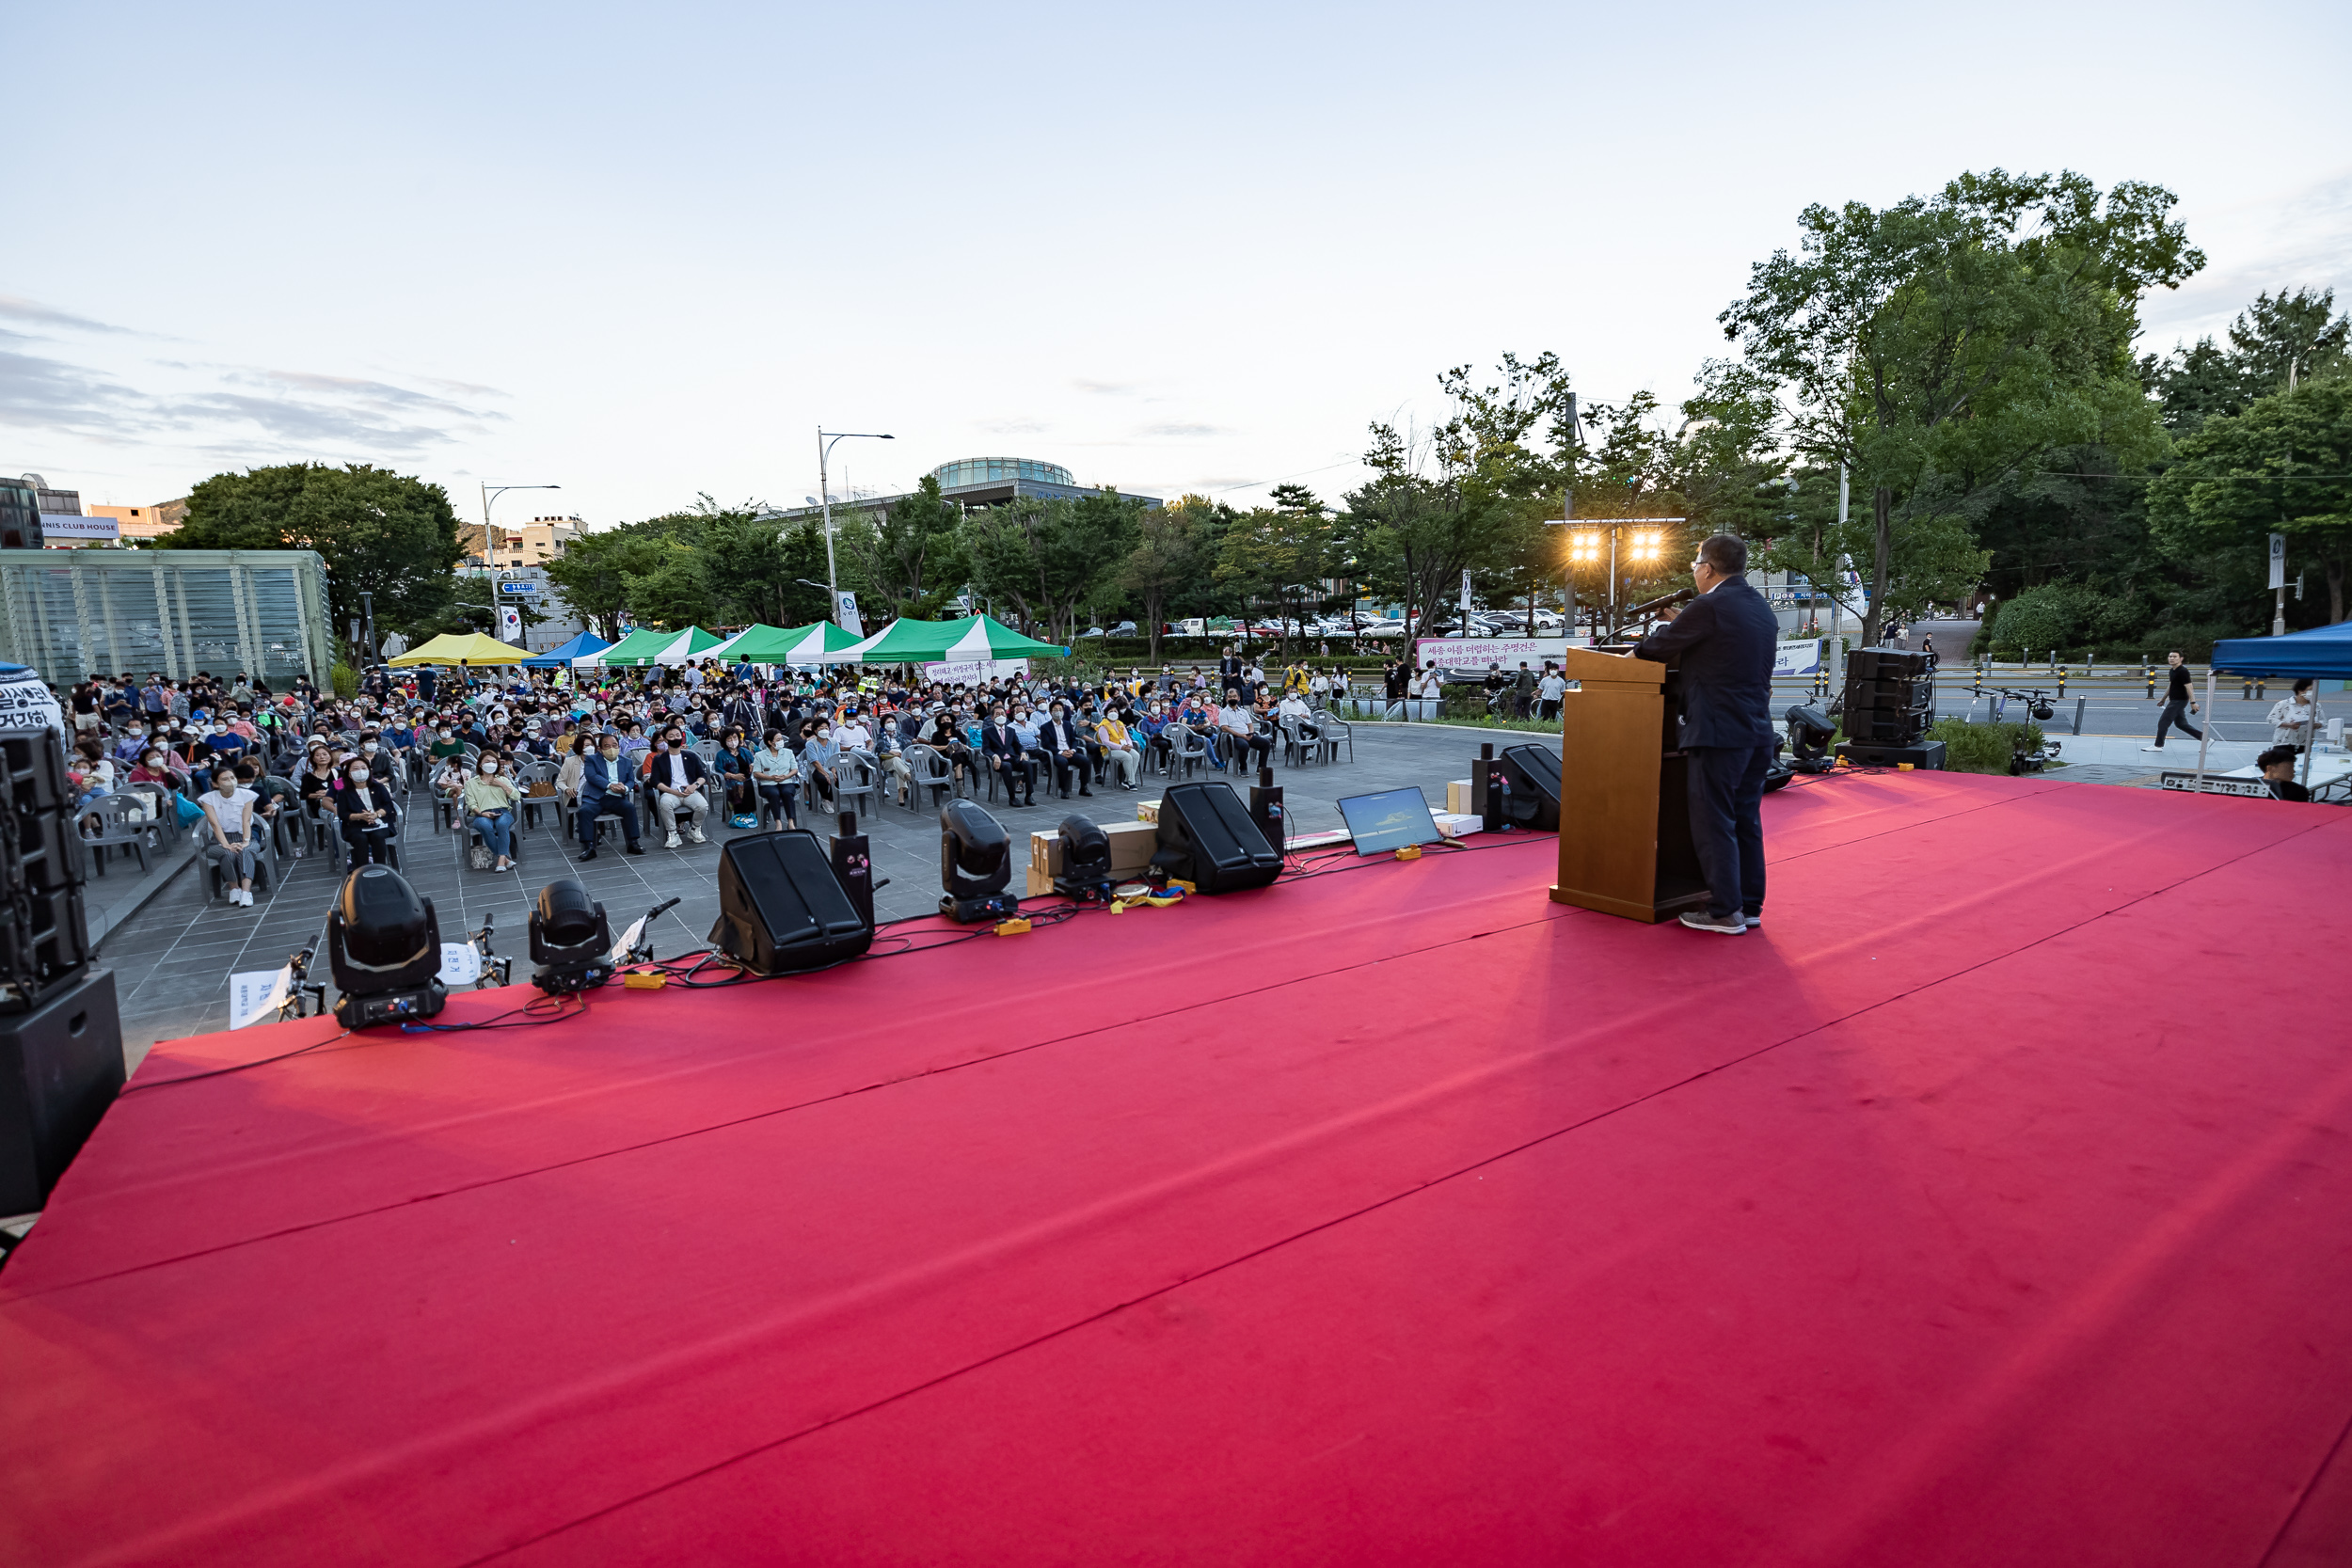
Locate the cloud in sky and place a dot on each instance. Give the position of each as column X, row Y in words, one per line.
column 258, row 412
column 38, row 314
column 1182, row 431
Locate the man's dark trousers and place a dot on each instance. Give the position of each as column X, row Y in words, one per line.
column 1725, row 785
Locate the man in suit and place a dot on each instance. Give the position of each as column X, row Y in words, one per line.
column 1006, row 755
column 1723, row 641
column 1067, row 749
column 604, row 781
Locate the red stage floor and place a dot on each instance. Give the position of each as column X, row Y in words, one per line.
column 1987, row 1207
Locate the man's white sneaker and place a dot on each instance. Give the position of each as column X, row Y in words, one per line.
column 695, row 835
column 672, row 843
column 2151, row 748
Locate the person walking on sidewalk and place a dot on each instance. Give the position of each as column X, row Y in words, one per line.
column 2178, row 706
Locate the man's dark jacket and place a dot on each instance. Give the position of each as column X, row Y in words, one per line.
column 1723, row 642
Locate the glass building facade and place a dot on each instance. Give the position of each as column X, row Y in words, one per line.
column 970, row 471
column 69, row 613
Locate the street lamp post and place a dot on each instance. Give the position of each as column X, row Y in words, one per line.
column 824, row 488
column 491, row 493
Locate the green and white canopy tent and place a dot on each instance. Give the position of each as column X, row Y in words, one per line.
column 975, row 637
column 765, row 644
column 645, row 646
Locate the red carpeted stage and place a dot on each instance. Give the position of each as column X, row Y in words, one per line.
column 1988, row 1206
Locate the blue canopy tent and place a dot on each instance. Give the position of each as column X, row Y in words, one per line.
column 578, row 647
column 2323, row 653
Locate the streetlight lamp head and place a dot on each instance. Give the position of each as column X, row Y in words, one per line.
column 811, row 501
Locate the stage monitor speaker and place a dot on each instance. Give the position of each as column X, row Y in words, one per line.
column 1531, row 797
column 1207, row 838
column 61, row 1068
column 783, row 908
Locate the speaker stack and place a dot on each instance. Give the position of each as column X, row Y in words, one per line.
column 1890, row 701
column 1530, row 792
column 60, row 1034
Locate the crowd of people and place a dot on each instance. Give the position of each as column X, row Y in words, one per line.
column 242, row 764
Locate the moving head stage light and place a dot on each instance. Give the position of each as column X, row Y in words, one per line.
column 1086, row 861
column 975, row 865
column 383, row 945
column 1810, row 732
column 571, row 940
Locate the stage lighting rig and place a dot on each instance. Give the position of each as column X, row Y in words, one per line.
column 571, row 940
column 1809, row 735
column 975, row 865
column 384, row 947
column 1585, row 548
column 1646, row 547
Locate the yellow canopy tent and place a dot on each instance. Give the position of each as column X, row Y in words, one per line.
column 473, row 648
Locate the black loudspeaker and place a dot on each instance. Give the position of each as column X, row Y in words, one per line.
column 1207, row 838
column 782, row 906
column 1531, row 796
column 1885, row 664
column 61, row 1068
column 44, row 937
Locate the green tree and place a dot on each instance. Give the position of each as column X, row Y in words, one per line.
column 674, row 588
column 908, row 553
column 2274, row 343
column 1050, row 559
column 2279, row 468
column 1273, row 556
column 1941, row 343
column 1165, row 556
column 387, row 534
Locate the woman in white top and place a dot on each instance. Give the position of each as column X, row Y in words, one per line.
column 229, row 817
column 2294, row 718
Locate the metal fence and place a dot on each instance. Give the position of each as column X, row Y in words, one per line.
column 69, row 613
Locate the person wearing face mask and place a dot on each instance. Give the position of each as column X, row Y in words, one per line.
column 487, row 805
column 445, row 742
column 229, row 829
column 1008, row 758
column 1122, row 763
column 674, row 776
column 777, row 776
column 820, row 762
column 134, row 743
column 364, row 802
column 604, row 791
column 1065, row 752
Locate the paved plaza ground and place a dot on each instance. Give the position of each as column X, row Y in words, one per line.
column 173, row 957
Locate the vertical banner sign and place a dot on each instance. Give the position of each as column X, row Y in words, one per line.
column 2278, row 561
column 1466, row 597
column 511, row 624
column 845, row 615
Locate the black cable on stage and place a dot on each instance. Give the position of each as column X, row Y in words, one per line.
column 224, row 1071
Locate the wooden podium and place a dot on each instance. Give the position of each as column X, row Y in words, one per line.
column 1625, row 823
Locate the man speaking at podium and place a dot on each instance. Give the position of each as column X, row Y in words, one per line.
column 1723, row 643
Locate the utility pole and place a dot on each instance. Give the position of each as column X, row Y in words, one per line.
column 824, row 491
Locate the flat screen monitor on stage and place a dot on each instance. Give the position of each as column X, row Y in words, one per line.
column 1389, row 820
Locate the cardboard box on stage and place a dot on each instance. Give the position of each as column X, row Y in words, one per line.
column 1457, row 797
column 1455, row 824
column 1132, row 845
